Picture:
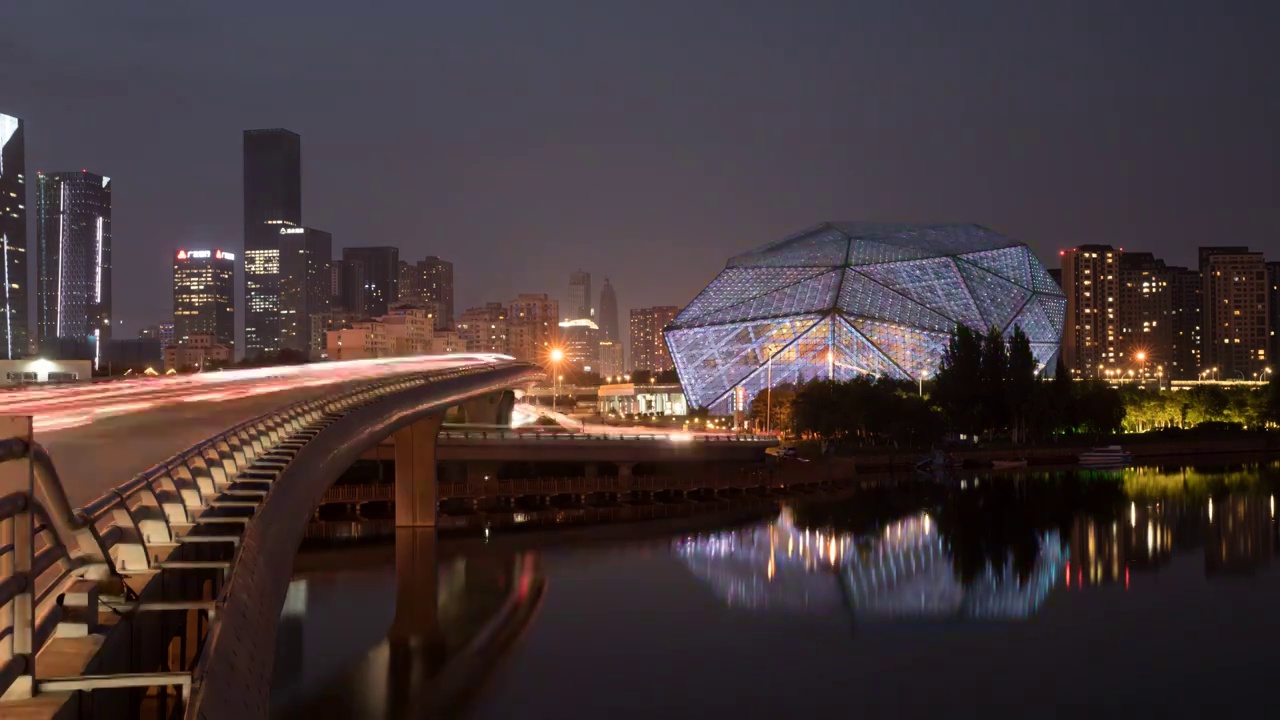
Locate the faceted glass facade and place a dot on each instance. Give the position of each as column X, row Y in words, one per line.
column 848, row 299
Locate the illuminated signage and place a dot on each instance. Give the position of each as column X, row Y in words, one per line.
column 292, row 231
column 205, row 254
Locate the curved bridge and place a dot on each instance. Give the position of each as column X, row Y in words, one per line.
column 209, row 534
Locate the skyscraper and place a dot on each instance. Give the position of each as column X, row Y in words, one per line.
column 648, row 344
column 1273, row 311
column 1187, row 315
column 1091, row 336
column 13, row 238
column 204, row 296
column 581, row 342
column 431, row 281
column 1146, row 314
column 73, row 260
column 579, row 296
column 611, row 360
column 305, row 286
column 381, row 277
column 608, row 314
column 272, row 200
column 1234, row 294
column 347, row 277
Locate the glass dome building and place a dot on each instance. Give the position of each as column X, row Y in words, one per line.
column 846, row 299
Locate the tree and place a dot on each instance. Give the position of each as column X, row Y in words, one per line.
column 1099, row 409
column 958, row 384
column 778, row 405
column 995, row 371
column 1021, row 385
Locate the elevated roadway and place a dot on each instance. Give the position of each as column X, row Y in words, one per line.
column 208, row 531
column 102, row 434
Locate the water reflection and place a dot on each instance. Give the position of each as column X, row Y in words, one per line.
column 365, row 637
column 989, row 547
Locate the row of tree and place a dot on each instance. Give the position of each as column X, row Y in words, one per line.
column 864, row 411
column 1249, row 407
column 987, row 386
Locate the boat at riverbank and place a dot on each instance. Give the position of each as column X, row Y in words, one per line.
column 1008, row 464
column 1108, row 456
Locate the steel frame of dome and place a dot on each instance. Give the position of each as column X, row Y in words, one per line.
column 845, row 299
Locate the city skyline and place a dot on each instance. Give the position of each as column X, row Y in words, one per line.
column 1178, row 158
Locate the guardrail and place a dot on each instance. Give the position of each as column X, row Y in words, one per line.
column 496, row 434
column 56, row 561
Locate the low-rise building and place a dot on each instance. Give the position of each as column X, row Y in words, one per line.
column 42, row 370
column 196, row 353
column 358, row 341
column 645, row 399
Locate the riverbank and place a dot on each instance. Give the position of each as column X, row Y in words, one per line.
column 1142, row 448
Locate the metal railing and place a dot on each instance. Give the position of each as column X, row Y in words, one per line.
column 747, row 479
column 47, row 548
column 552, row 436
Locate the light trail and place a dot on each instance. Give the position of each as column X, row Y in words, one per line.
column 68, row 406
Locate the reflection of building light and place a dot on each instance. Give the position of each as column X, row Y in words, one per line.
column 1133, row 515
column 1210, row 509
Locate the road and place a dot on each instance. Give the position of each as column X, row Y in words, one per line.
column 103, row 434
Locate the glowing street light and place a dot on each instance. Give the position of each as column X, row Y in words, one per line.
column 556, row 356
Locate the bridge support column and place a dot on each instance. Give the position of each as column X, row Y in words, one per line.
column 417, row 490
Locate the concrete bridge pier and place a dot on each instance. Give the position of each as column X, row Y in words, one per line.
column 417, row 493
column 417, row 488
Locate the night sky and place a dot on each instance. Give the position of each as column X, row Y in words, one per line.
column 647, row 142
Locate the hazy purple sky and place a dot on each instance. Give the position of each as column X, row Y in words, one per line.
column 647, row 142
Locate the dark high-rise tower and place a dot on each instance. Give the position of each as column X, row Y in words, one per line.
column 13, row 238
column 73, row 260
column 579, row 296
column 204, row 295
column 608, row 321
column 305, row 288
column 431, row 281
column 381, row 276
column 272, row 201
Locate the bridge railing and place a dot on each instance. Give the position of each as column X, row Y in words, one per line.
column 47, row 547
column 499, row 434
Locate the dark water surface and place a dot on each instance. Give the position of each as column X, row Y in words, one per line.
column 1147, row 593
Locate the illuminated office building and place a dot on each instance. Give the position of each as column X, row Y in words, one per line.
column 204, row 296
column 305, row 287
column 272, row 201
column 13, row 239
column 73, row 260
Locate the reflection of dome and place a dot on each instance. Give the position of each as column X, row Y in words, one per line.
column 846, row 299
column 750, row 568
column 906, row 571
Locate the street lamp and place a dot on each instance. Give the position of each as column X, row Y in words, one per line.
column 556, row 356
column 768, row 394
column 1142, row 358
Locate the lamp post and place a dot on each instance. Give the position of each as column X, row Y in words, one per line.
column 768, row 394
column 556, row 356
column 1142, row 367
